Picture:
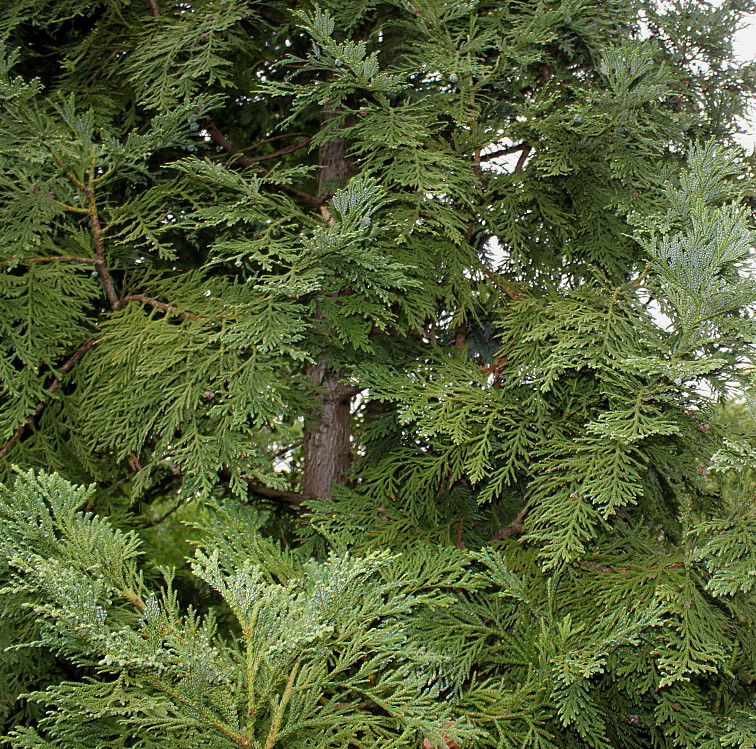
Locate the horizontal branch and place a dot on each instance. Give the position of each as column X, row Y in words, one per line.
column 271, row 139
column 288, row 448
column 51, row 259
column 291, row 498
column 54, row 385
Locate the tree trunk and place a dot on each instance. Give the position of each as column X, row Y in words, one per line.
column 328, row 430
column 327, row 452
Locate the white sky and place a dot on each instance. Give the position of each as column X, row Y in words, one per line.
column 745, row 48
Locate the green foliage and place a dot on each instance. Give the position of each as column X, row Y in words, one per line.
column 493, row 259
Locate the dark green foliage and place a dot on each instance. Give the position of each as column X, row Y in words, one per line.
column 513, row 238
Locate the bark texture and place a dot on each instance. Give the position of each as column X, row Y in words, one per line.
column 327, row 451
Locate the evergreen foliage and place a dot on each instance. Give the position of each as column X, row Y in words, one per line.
column 481, row 271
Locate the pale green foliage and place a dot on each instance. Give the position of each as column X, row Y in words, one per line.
column 360, row 644
column 314, row 639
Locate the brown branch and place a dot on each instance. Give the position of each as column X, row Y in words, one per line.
column 70, row 258
column 291, row 498
column 476, row 167
column 595, row 566
column 520, row 167
column 515, row 527
column 460, row 336
column 244, row 160
column 102, row 269
column 280, row 151
column 99, row 69
column 166, row 514
column 460, row 544
column 159, row 305
column 154, row 8
column 509, row 289
column 505, row 151
column 271, row 139
column 54, row 385
column 287, row 449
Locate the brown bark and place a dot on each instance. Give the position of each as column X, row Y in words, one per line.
column 326, row 445
column 335, row 166
column 328, row 430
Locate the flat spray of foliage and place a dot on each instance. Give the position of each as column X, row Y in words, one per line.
column 505, row 247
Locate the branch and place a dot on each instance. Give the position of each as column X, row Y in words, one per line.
column 291, row 498
column 54, row 385
column 154, row 8
column 166, row 514
column 500, row 283
column 288, row 448
column 281, row 151
column 271, row 139
column 245, row 160
column 505, row 151
column 99, row 69
column 159, row 305
column 70, row 258
column 520, row 167
column 515, row 527
column 102, row 269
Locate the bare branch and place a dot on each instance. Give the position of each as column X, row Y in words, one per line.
column 287, row 449
column 102, row 268
column 281, row 151
column 166, row 514
column 520, row 167
column 505, row 151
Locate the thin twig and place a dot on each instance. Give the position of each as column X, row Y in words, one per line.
column 287, row 449
column 54, row 385
column 280, row 151
column 244, row 160
column 99, row 69
column 166, row 514
column 159, row 305
column 102, row 268
column 515, row 527
column 69, row 258
column 271, row 139
column 503, row 285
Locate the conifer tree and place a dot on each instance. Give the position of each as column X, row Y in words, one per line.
column 367, row 375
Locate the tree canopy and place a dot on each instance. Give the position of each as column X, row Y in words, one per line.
column 420, row 329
